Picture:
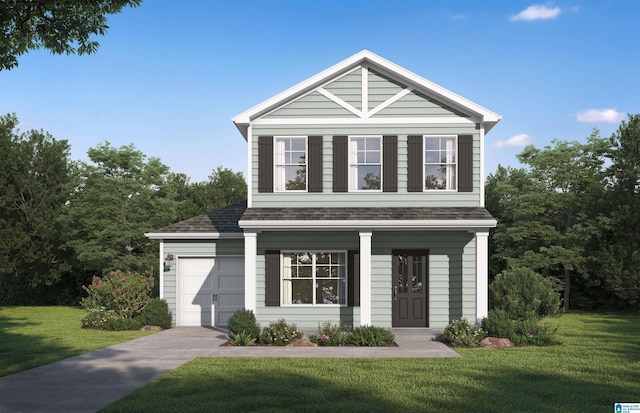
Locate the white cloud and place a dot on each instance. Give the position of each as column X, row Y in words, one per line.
column 537, row 12
column 610, row 115
column 515, row 141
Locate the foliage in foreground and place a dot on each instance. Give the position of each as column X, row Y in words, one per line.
column 124, row 293
column 244, row 321
column 596, row 366
column 523, row 294
column 279, row 333
column 34, row 336
column 339, row 334
column 461, row 333
column 156, row 313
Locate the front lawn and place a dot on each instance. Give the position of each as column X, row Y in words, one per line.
column 34, row 336
column 597, row 365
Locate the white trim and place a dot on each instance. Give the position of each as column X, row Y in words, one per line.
column 276, row 184
column 353, row 180
column 250, row 254
column 453, row 120
column 366, row 58
column 339, row 101
column 192, row 235
column 482, row 179
column 482, row 275
column 365, row 88
column 249, row 138
column 418, row 225
column 391, row 100
column 161, row 272
column 424, row 161
column 365, row 278
column 314, row 278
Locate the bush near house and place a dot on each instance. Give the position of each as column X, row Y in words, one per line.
column 461, row 333
column 156, row 313
column 279, row 333
column 244, row 322
column 343, row 335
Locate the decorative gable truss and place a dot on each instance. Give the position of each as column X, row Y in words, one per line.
column 363, row 95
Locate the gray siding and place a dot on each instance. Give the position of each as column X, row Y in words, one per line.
column 327, row 198
column 451, row 275
column 305, row 317
column 381, row 88
column 415, row 105
column 313, row 105
column 192, row 248
column 348, row 88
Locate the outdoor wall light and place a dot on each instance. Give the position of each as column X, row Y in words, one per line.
column 167, row 262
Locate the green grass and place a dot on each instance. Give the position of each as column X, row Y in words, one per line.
column 597, row 364
column 34, row 336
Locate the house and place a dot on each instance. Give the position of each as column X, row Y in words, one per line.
column 365, row 206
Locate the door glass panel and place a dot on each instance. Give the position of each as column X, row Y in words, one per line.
column 416, row 276
column 402, row 273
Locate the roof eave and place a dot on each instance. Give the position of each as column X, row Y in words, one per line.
column 473, row 225
column 193, row 235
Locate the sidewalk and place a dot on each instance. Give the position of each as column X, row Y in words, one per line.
column 91, row 381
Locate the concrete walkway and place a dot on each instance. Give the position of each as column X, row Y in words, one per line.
column 91, row 381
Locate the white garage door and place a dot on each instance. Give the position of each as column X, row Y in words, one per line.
column 210, row 290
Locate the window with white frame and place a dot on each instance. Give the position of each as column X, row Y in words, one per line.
column 365, row 163
column 290, row 163
column 440, row 162
column 314, row 278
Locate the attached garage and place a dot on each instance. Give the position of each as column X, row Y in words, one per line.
column 210, row 290
column 202, row 261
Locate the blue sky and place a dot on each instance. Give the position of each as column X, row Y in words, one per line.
column 170, row 75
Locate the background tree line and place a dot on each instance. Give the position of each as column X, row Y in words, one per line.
column 63, row 221
column 573, row 214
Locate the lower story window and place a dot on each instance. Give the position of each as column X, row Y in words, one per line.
column 315, row 278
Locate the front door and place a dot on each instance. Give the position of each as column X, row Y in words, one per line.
column 410, row 282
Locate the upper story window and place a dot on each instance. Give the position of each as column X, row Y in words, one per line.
column 440, row 162
column 290, row 161
column 365, row 163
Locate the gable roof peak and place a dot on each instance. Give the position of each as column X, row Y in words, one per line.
column 378, row 63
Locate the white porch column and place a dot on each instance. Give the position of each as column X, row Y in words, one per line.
column 365, row 278
column 482, row 275
column 250, row 254
column 161, row 272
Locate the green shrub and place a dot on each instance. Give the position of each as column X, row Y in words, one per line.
column 461, row 333
column 244, row 320
column 523, row 294
column 370, row 336
column 156, row 313
column 332, row 334
column 241, row 338
column 122, row 324
column 124, row 293
column 279, row 333
column 498, row 324
column 531, row 332
column 97, row 318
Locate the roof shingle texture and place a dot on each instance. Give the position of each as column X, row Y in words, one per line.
column 365, row 214
column 225, row 220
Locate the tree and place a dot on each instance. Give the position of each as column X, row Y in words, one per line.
column 60, row 26
column 621, row 239
column 36, row 180
column 223, row 188
column 549, row 216
column 121, row 195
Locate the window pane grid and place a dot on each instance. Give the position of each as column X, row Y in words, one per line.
column 314, row 278
column 366, row 163
column 440, row 163
column 290, row 164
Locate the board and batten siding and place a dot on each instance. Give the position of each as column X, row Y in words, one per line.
column 303, row 316
column 404, row 198
column 193, row 248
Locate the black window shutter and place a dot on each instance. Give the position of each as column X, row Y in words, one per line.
column 265, row 164
column 465, row 163
column 353, row 279
column 314, row 165
column 415, row 165
column 390, row 164
column 272, row 278
column 340, row 164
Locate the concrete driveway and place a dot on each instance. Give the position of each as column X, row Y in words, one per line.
column 91, row 381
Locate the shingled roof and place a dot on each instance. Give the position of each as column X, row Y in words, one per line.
column 365, row 214
column 220, row 221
